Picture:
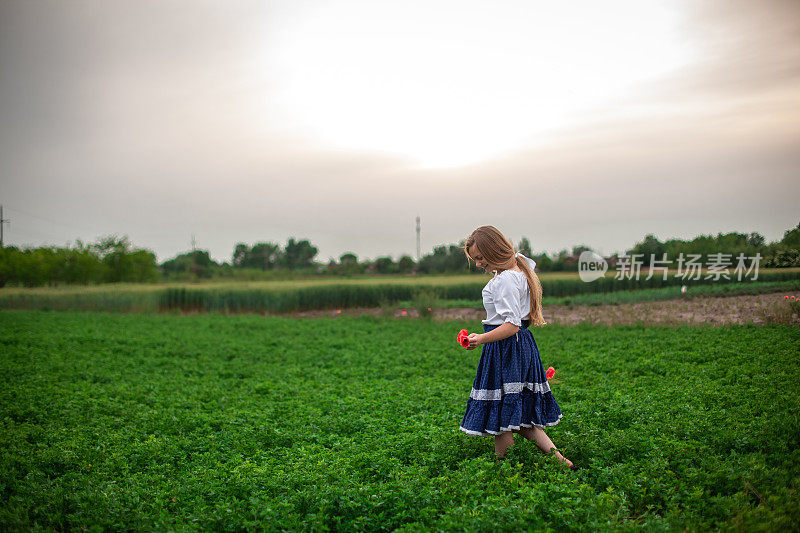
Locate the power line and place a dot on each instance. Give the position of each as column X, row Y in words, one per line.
column 45, row 219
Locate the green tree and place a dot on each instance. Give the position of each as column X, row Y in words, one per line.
column 190, row 265
column 113, row 252
column 142, row 266
column 385, row 265
column 756, row 240
column 348, row 258
column 445, row 258
column 240, row 254
column 543, row 262
column 791, row 238
column 434, row 262
column 299, row 254
column 579, row 249
column 349, row 265
column 9, row 260
column 264, row 255
column 82, row 265
column 524, row 247
column 650, row 248
column 406, row 264
column 31, row 267
column 560, row 261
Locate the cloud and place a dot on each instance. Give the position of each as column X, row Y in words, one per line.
column 743, row 49
column 162, row 121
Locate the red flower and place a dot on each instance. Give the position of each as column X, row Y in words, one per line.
column 785, row 297
column 550, row 373
column 462, row 338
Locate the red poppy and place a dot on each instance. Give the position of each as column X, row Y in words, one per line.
column 462, row 338
column 550, row 373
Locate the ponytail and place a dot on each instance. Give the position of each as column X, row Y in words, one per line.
column 535, row 286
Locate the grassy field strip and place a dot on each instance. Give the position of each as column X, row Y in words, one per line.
column 290, row 284
column 212, row 422
column 291, row 296
column 284, row 284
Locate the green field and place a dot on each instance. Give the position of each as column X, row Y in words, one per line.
column 213, row 422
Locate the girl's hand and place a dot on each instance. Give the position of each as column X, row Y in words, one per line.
column 474, row 341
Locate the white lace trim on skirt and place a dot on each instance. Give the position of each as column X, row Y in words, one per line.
column 508, row 388
column 489, row 432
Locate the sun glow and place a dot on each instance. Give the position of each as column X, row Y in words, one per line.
column 451, row 84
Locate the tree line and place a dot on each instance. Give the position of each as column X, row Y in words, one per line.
column 111, row 259
column 115, row 259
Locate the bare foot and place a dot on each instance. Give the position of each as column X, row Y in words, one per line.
column 563, row 459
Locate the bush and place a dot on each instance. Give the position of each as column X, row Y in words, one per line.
column 424, row 302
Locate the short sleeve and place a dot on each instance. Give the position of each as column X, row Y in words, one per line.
column 505, row 295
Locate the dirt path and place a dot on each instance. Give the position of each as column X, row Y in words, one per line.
column 751, row 309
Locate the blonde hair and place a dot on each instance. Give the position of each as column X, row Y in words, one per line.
column 498, row 250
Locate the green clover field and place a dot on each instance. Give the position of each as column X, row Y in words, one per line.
column 233, row 423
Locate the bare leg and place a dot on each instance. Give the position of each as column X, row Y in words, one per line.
column 540, row 438
column 502, row 443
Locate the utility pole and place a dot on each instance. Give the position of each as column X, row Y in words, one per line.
column 194, row 256
column 418, row 254
column 2, row 221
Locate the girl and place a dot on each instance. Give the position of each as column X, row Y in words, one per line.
column 510, row 393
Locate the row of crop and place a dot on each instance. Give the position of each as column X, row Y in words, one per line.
column 128, row 301
column 327, row 296
column 344, row 296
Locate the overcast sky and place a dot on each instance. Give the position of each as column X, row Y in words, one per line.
column 567, row 122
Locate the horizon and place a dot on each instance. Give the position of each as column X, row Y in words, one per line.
column 395, row 258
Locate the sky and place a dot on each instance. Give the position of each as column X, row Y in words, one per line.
column 340, row 122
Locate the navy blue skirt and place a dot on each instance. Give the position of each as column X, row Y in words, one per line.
column 510, row 390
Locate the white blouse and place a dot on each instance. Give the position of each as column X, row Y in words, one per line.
column 506, row 297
